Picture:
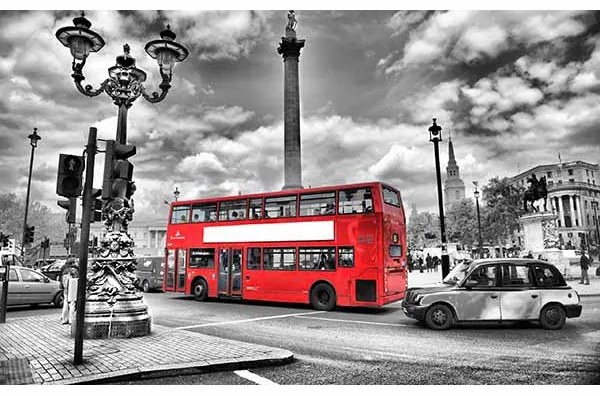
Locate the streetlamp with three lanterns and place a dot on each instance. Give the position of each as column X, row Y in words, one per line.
column 116, row 262
column 476, row 194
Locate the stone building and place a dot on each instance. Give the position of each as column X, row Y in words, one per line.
column 573, row 195
column 149, row 236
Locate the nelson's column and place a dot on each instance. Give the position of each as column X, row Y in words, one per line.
column 290, row 49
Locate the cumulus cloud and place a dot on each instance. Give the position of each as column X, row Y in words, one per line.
column 464, row 36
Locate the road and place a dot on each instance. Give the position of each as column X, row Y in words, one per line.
column 382, row 346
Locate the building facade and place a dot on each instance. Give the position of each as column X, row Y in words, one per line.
column 149, row 236
column 574, row 196
column 454, row 187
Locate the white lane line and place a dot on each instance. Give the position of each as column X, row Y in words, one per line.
column 359, row 321
column 247, row 320
column 257, row 379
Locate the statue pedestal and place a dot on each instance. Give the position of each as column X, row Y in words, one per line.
column 541, row 238
column 539, row 231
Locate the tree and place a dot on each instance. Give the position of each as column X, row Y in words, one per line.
column 500, row 214
column 461, row 223
column 422, row 230
column 46, row 223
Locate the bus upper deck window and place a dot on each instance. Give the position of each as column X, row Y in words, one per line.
column 180, row 214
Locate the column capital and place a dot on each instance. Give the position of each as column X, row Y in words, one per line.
column 290, row 46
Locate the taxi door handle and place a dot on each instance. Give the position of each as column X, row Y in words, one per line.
column 493, row 296
column 26, row 286
column 534, row 296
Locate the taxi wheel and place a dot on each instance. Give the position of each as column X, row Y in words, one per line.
column 200, row 289
column 552, row 317
column 439, row 317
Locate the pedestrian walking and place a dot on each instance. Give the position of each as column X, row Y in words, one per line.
column 435, row 263
column 585, row 265
column 428, row 262
column 69, row 286
column 421, row 264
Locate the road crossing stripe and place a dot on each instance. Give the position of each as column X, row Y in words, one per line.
column 247, row 320
column 359, row 321
column 257, row 379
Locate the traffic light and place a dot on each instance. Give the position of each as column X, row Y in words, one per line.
column 118, row 171
column 71, row 207
column 3, row 240
column 96, row 214
column 29, row 234
column 70, row 175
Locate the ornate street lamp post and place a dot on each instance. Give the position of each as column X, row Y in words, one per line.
column 115, row 307
column 435, row 136
column 176, row 194
column 27, row 231
column 476, row 193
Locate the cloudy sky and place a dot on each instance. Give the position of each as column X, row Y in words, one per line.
column 512, row 88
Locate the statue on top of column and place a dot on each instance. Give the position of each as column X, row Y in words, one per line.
column 291, row 26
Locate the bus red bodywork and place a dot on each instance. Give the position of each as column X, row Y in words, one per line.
column 269, row 259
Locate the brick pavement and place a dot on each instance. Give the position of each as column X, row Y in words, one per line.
column 48, row 348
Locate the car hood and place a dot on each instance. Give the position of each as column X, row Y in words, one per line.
column 431, row 288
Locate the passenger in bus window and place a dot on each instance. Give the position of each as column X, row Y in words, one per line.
column 329, row 209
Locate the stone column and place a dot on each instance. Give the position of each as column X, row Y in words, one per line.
column 561, row 211
column 572, row 208
column 580, row 211
column 290, row 49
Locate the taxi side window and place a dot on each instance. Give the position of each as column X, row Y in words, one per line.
column 12, row 276
column 514, row 275
column 485, row 276
column 546, row 276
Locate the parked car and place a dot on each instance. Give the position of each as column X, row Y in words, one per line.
column 495, row 290
column 150, row 273
column 27, row 286
column 54, row 270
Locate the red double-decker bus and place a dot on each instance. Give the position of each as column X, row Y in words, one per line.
column 328, row 246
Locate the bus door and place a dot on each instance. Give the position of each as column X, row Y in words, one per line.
column 230, row 272
column 175, row 270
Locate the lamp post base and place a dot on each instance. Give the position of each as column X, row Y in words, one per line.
column 127, row 317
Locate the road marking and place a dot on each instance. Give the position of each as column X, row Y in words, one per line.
column 359, row 321
column 257, row 379
column 247, row 320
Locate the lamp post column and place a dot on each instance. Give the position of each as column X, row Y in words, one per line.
column 34, row 137
column 435, row 136
column 476, row 193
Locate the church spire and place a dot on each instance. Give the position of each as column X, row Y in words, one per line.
column 451, row 160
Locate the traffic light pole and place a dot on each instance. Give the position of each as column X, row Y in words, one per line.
column 83, row 245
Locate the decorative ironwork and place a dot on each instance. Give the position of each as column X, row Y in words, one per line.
column 113, row 287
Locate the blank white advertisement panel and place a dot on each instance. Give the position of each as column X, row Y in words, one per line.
column 274, row 232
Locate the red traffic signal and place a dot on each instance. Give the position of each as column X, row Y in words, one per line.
column 96, row 214
column 70, row 175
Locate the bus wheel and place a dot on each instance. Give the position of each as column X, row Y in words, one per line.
column 145, row 286
column 200, row 289
column 322, row 297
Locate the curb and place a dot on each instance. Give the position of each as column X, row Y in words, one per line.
column 275, row 358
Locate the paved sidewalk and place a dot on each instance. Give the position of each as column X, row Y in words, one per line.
column 39, row 350
column 416, row 278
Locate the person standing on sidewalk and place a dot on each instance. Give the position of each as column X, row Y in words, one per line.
column 69, row 273
column 585, row 265
column 72, row 292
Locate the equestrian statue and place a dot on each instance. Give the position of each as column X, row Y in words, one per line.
column 536, row 190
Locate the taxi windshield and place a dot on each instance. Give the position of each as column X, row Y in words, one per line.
column 458, row 273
